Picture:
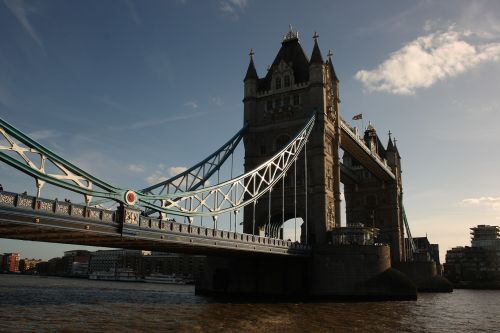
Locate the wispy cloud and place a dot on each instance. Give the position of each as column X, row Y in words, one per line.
column 191, row 104
column 157, row 121
column 490, row 202
column 6, row 98
column 44, row 134
column 162, row 173
column 20, row 11
column 136, row 168
column 133, row 12
column 217, row 100
column 233, row 8
column 428, row 59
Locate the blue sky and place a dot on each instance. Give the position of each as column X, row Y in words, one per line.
column 132, row 91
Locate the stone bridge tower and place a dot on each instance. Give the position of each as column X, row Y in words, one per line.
column 374, row 203
column 276, row 107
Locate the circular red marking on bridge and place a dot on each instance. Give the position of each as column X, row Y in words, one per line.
column 130, row 197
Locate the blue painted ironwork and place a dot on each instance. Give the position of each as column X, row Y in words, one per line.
column 20, row 152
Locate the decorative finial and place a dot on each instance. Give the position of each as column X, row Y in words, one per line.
column 290, row 34
column 251, row 54
column 389, row 133
column 395, row 140
column 330, row 54
column 315, row 36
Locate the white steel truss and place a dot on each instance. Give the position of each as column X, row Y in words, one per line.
column 235, row 193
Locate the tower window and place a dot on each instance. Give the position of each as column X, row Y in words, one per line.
column 278, row 83
column 287, row 81
column 286, row 100
column 277, row 103
column 269, row 105
column 296, row 99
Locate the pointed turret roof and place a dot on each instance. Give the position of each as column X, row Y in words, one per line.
column 390, row 145
column 316, row 57
column 330, row 65
column 292, row 54
column 251, row 71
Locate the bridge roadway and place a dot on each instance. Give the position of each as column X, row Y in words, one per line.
column 354, row 145
column 37, row 219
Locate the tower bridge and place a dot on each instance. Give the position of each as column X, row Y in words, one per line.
column 293, row 134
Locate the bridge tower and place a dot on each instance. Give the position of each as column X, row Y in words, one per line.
column 276, row 106
column 375, row 203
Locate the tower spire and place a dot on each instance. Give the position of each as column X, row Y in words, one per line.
column 316, row 57
column 251, row 71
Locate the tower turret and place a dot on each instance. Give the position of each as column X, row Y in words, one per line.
column 316, row 64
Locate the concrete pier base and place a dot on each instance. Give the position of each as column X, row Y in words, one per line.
column 357, row 272
column 333, row 272
column 257, row 276
column 424, row 275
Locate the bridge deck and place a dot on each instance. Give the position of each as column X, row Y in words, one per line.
column 355, row 146
column 29, row 218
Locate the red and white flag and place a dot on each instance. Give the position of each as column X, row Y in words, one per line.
column 358, row 117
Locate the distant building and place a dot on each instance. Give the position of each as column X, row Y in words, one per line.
column 29, row 266
column 425, row 251
column 478, row 265
column 110, row 260
column 169, row 263
column 76, row 262
column 10, row 262
column 354, row 234
column 486, row 236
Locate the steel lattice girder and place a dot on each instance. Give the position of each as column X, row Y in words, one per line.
column 235, row 193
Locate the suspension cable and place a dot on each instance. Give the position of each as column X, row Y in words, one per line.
column 269, row 214
column 283, row 205
column 231, row 196
column 295, row 196
column 253, row 218
column 305, row 172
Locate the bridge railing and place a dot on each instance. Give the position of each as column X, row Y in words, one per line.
column 133, row 219
column 381, row 162
column 23, row 201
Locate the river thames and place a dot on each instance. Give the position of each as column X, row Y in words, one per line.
column 51, row 304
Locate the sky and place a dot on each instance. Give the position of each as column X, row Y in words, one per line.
column 134, row 91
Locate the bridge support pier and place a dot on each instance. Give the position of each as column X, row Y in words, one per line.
column 424, row 275
column 332, row 272
column 257, row 276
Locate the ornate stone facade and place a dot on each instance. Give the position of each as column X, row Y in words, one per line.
column 276, row 107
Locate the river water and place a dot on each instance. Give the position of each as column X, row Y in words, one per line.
column 41, row 304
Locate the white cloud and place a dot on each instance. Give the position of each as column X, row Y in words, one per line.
column 156, row 177
column 233, row 8
column 174, row 171
column 20, row 11
column 136, row 168
column 191, row 104
column 161, row 173
column 428, row 59
column 491, row 202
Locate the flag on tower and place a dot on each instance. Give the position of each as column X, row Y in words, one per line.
column 358, row 117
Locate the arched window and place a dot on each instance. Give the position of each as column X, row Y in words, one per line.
column 287, row 80
column 296, row 99
column 278, row 83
